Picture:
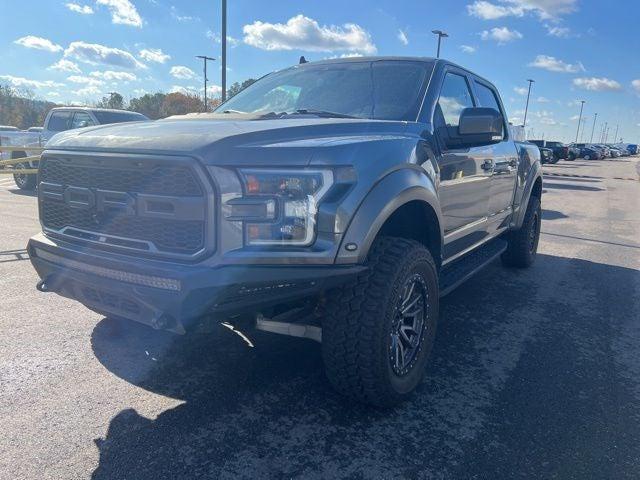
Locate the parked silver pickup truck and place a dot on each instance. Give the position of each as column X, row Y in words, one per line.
column 58, row 120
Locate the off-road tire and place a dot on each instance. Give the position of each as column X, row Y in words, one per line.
column 357, row 330
column 523, row 243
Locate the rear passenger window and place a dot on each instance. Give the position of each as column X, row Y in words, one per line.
column 59, row 121
column 455, row 96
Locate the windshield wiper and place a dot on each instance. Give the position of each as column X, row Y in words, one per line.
column 232, row 111
column 323, row 113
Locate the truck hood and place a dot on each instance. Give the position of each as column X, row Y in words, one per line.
column 227, row 140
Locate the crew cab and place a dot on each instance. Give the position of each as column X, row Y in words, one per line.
column 334, row 200
column 59, row 119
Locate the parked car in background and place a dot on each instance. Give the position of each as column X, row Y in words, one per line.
column 583, row 150
column 58, row 120
column 8, row 128
column 546, row 154
column 559, row 149
column 632, row 148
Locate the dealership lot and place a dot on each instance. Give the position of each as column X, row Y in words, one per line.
column 535, row 374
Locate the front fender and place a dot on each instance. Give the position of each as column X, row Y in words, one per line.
column 392, row 192
column 522, row 199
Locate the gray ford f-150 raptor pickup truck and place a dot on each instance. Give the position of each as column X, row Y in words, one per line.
column 336, row 200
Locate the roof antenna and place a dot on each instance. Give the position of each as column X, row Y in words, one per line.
column 303, row 60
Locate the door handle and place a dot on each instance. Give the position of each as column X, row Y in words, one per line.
column 487, row 165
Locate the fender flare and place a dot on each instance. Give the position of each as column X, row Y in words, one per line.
column 390, row 193
column 535, row 173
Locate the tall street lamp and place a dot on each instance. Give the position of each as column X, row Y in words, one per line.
column 593, row 129
column 223, row 40
column 204, row 60
column 526, row 108
column 441, row 35
column 582, row 102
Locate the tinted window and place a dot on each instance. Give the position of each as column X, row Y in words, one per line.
column 389, row 90
column 455, row 96
column 487, row 98
column 59, row 121
column 81, row 119
column 118, row 117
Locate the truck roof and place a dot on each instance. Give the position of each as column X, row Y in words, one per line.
column 93, row 109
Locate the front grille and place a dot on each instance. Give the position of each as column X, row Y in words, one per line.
column 69, row 203
column 177, row 181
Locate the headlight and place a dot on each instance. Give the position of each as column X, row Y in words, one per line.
column 279, row 207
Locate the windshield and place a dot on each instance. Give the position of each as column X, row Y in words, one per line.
column 386, row 90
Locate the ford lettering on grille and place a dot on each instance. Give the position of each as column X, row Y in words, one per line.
column 159, row 209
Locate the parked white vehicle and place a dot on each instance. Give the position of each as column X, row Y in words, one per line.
column 58, row 119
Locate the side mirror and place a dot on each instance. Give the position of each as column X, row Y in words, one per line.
column 478, row 126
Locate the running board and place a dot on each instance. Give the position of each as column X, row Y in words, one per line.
column 458, row 272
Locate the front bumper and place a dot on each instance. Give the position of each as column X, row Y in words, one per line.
column 167, row 295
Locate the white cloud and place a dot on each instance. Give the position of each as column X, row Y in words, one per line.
column 556, row 31
column 521, row 90
column 94, row 82
column 552, row 64
column 89, row 91
column 185, row 90
column 94, row 54
column 490, row 11
column 575, row 118
column 545, row 9
column 468, row 49
column 215, row 36
column 304, row 33
column 501, row 35
column 402, row 36
column 181, row 18
column 25, row 82
column 52, row 94
column 39, row 43
column 63, row 65
column 542, row 100
column 122, row 12
column 82, row 9
column 154, row 55
column 597, row 84
column 112, row 76
column 182, row 72
column 636, row 85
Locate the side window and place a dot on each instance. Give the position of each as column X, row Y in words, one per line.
column 487, row 98
column 81, row 119
column 455, row 96
column 59, row 121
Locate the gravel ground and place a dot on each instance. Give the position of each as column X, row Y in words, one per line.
column 534, row 374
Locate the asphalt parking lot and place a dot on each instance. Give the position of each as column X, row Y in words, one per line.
column 535, row 374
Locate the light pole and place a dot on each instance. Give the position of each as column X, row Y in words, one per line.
column 584, row 123
column 441, row 35
column 615, row 138
column 224, row 50
column 594, row 127
column 582, row 102
column 526, row 108
column 204, row 60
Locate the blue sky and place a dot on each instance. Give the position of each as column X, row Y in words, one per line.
column 77, row 50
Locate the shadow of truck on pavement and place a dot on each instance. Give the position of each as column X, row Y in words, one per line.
column 523, row 382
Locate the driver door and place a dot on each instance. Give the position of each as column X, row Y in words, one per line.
column 465, row 173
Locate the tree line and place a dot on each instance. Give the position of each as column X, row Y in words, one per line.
column 20, row 107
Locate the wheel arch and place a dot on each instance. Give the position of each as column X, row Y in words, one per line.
column 402, row 195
